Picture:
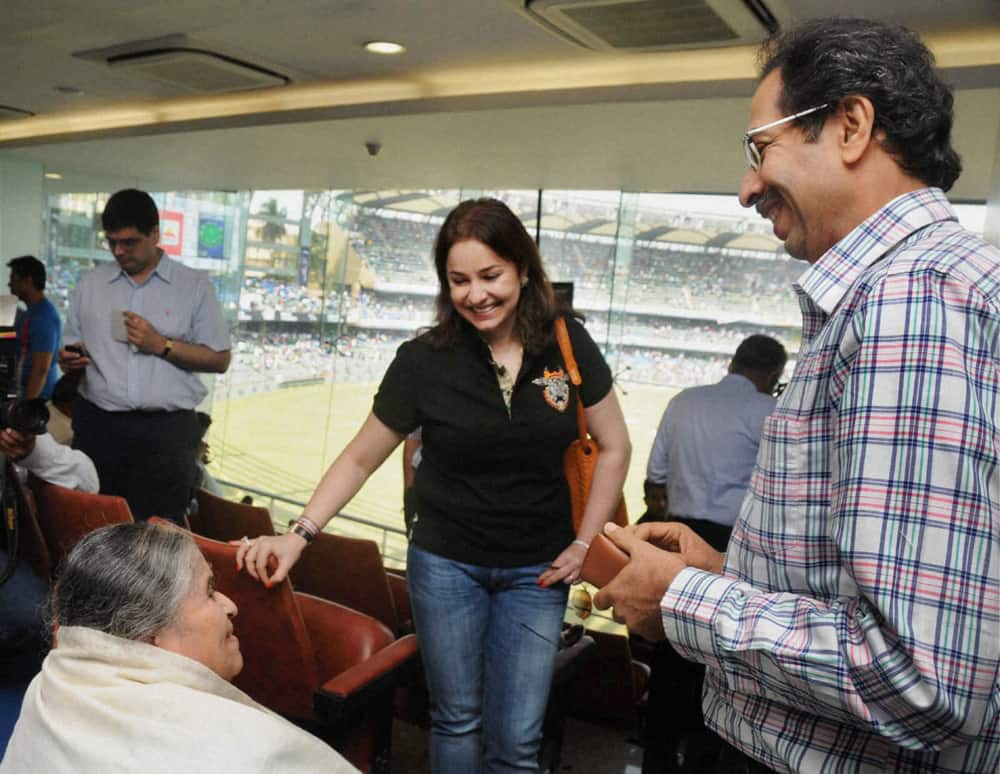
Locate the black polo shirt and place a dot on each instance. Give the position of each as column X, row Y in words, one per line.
column 490, row 488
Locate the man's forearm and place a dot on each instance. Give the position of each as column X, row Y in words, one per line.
column 198, row 357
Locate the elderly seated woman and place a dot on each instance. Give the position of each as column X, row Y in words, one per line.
column 139, row 680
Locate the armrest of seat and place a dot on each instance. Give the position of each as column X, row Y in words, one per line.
column 341, row 637
column 353, row 691
column 401, row 600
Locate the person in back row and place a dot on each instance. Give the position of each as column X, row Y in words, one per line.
column 147, row 325
column 491, row 546
column 707, row 440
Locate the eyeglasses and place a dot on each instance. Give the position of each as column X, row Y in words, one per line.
column 126, row 244
column 754, row 154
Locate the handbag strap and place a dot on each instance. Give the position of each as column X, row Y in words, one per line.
column 566, row 347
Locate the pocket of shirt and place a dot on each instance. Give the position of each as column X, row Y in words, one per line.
column 781, row 473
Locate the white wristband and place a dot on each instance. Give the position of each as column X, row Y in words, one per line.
column 583, row 543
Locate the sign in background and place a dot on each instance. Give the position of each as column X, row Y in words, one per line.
column 211, row 236
column 171, row 231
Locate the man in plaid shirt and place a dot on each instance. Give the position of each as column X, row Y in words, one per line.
column 854, row 622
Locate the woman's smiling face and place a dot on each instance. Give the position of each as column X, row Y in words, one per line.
column 484, row 287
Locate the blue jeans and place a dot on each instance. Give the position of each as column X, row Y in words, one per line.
column 488, row 639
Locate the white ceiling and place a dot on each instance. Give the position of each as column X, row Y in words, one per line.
column 639, row 134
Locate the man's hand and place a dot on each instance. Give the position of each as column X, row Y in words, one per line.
column 143, row 336
column 636, row 591
column 71, row 360
column 16, row 445
column 681, row 539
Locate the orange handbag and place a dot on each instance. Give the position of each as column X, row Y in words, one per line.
column 580, row 458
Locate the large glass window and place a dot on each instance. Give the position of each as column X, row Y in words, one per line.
column 321, row 287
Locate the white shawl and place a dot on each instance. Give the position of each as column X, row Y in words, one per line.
column 102, row 704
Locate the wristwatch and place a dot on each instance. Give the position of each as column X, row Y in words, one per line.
column 169, row 345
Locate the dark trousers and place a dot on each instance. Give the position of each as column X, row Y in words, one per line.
column 147, row 457
column 675, row 737
column 23, row 601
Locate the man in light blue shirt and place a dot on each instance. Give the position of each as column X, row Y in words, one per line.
column 707, row 441
column 703, row 454
column 144, row 326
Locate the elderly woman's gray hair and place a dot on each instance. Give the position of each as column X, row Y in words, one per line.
column 128, row 580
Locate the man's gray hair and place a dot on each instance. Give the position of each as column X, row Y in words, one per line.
column 128, row 580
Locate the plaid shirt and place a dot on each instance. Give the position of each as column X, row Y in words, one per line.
column 857, row 623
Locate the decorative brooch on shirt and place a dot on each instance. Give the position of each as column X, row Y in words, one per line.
column 556, row 388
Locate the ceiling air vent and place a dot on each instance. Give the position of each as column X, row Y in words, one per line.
column 654, row 25
column 197, row 70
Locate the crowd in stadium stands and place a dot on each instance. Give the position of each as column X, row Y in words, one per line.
column 270, row 300
column 371, row 307
column 671, row 332
column 644, row 365
column 395, row 249
column 713, row 279
column 270, row 360
column 589, row 265
column 267, row 299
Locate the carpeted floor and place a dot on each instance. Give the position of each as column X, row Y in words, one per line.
column 587, row 749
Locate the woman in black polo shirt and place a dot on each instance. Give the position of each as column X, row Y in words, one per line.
column 492, row 548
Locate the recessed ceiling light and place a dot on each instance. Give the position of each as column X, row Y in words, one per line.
column 53, row 176
column 384, row 47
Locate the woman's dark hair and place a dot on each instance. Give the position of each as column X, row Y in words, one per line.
column 128, row 580
column 130, row 208
column 826, row 60
column 491, row 222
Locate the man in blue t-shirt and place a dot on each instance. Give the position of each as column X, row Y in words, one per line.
column 39, row 329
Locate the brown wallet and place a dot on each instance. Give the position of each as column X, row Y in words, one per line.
column 604, row 560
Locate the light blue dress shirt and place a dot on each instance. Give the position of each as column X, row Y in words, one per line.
column 706, row 446
column 178, row 301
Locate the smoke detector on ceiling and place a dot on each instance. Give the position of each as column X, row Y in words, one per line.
column 656, row 25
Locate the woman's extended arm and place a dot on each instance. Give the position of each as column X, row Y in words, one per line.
column 368, row 449
column 606, row 425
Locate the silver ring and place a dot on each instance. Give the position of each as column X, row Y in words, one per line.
column 246, row 541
